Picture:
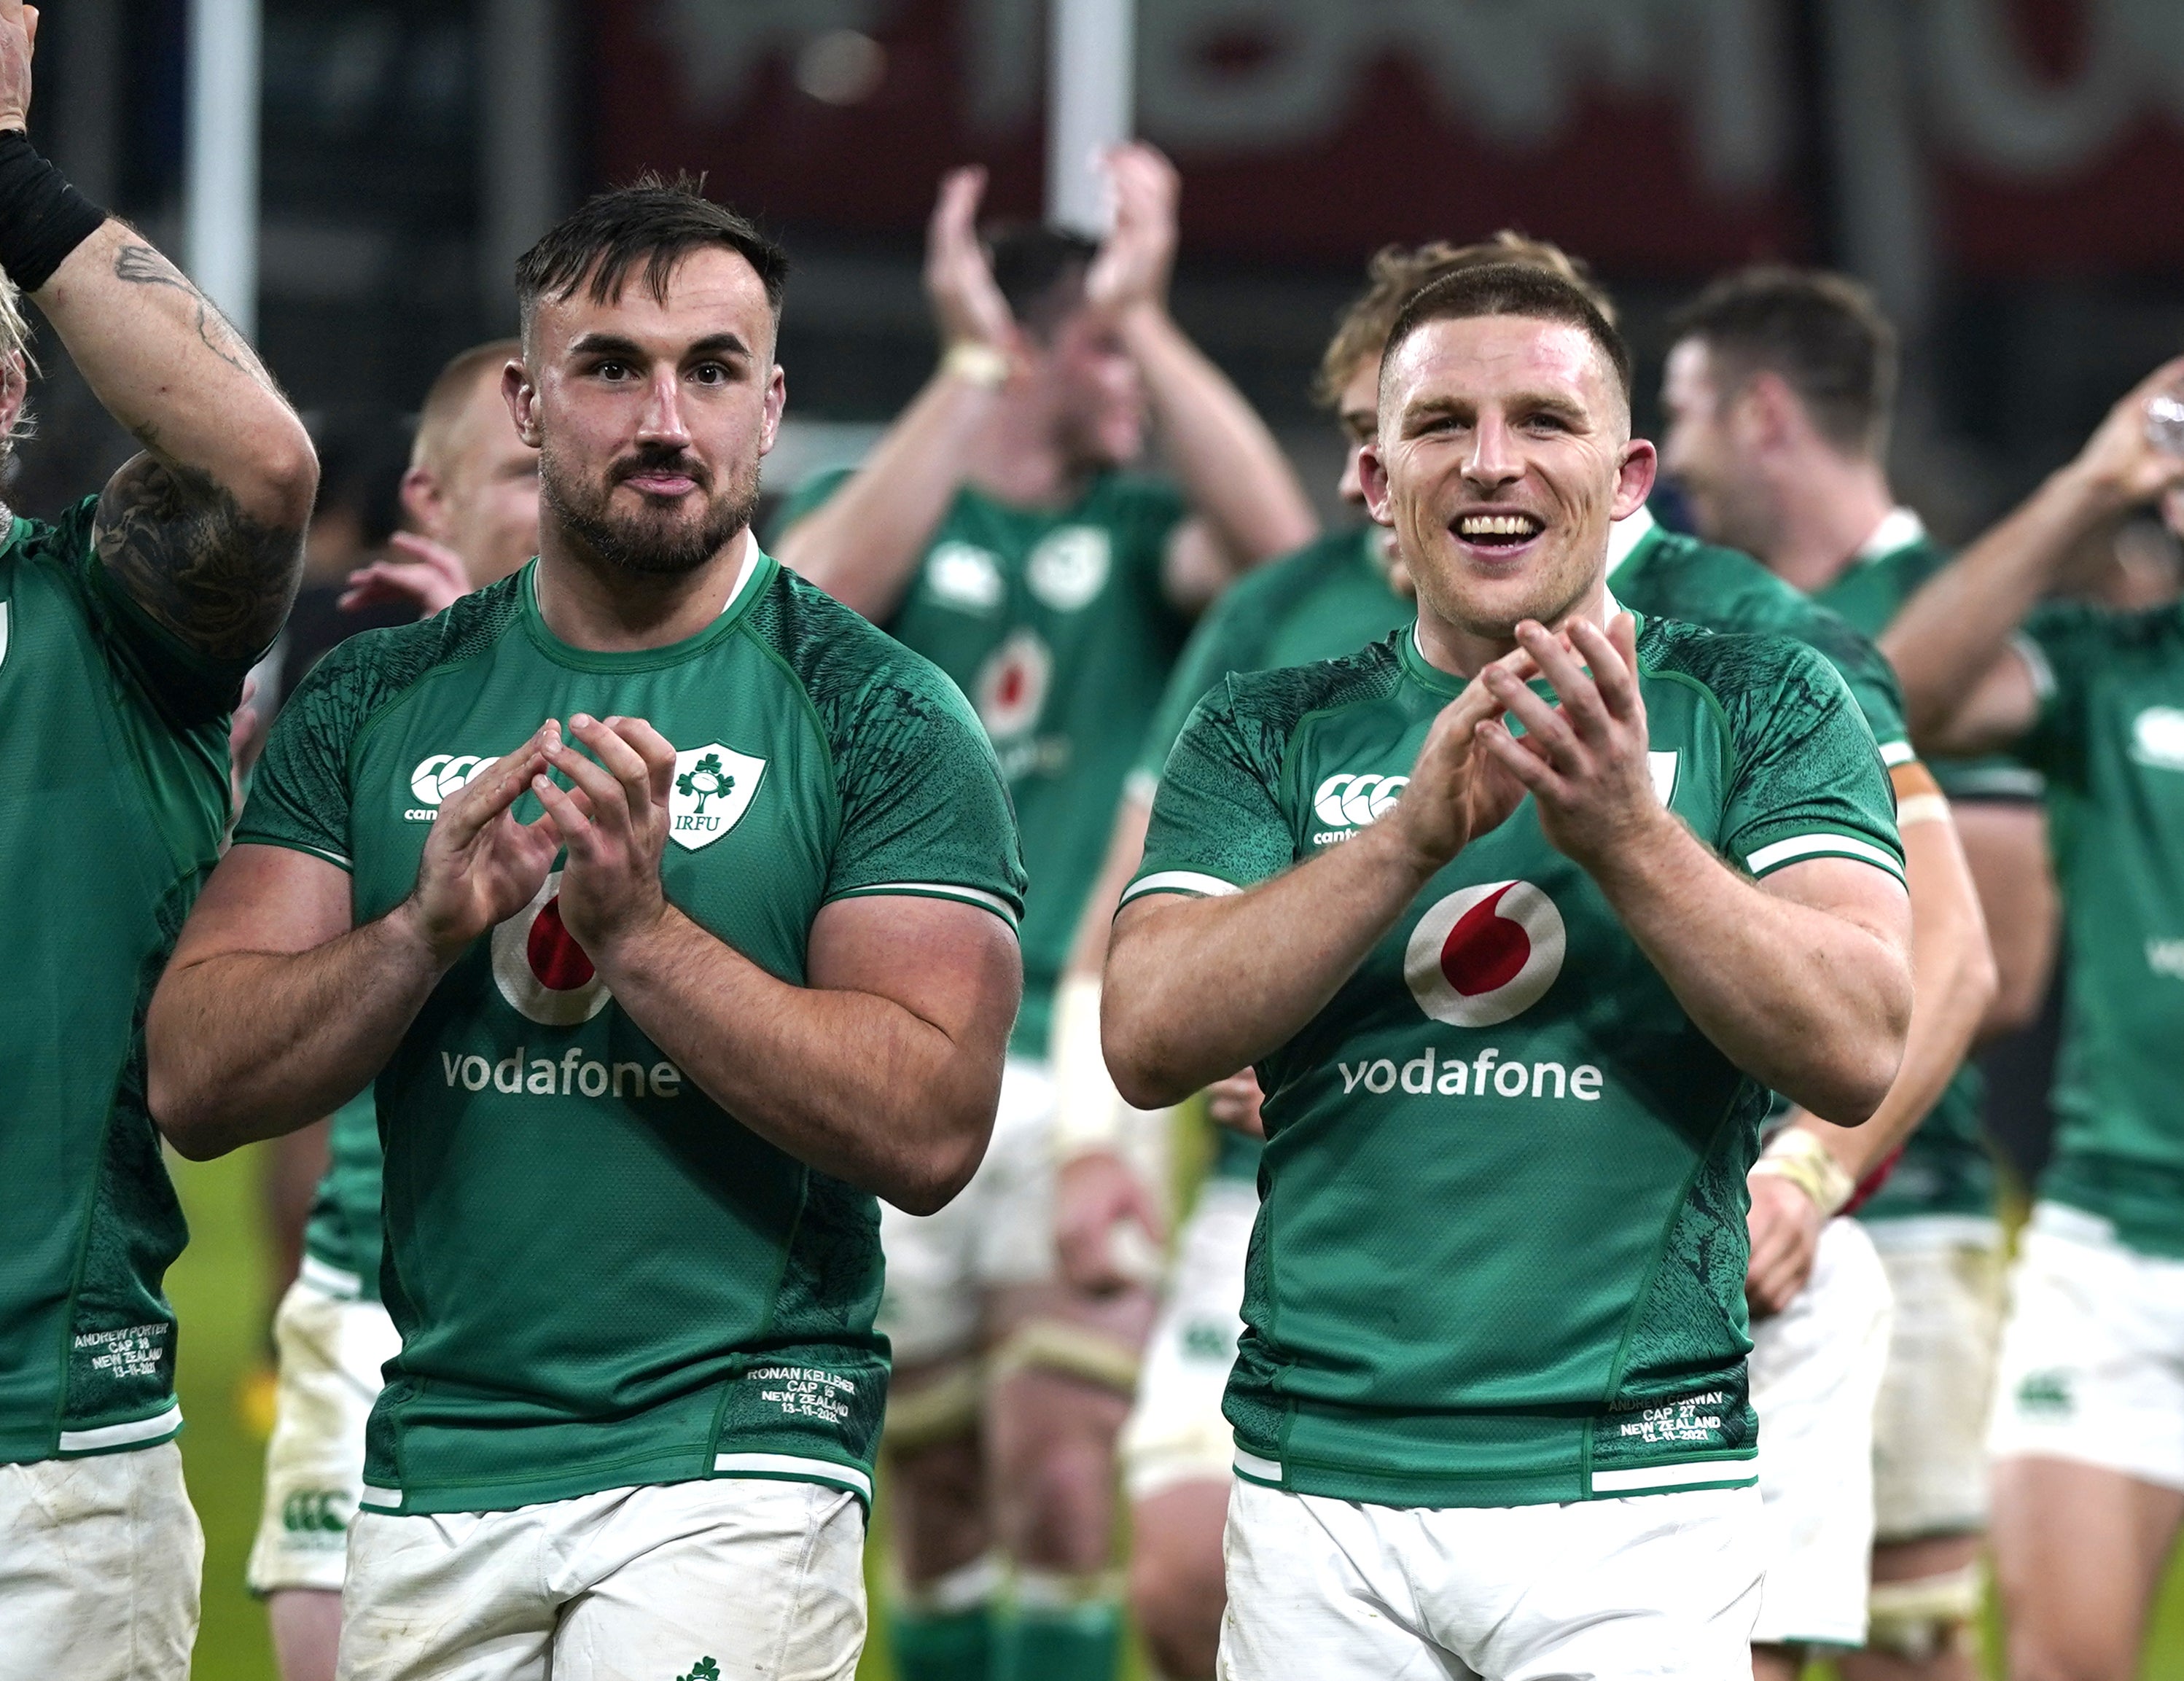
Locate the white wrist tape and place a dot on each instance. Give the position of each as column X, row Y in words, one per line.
column 1090, row 1114
column 978, row 365
column 1800, row 1157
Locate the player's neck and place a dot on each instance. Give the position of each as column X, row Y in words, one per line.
column 1829, row 508
column 607, row 610
column 1019, row 460
column 1463, row 652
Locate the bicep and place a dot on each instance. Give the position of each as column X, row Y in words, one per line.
column 951, row 965
column 1860, row 894
column 199, row 565
column 2002, row 706
column 266, row 899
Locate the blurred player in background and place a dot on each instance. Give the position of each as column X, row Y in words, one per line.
column 635, row 1272
column 1331, row 597
column 2087, row 1436
column 1779, row 395
column 992, row 530
column 126, row 629
column 1489, row 1412
column 472, row 481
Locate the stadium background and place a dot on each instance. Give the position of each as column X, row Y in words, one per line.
column 2004, row 172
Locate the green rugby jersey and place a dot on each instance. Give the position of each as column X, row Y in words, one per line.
column 1056, row 623
column 1500, row 1256
column 2110, row 742
column 341, row 1238
column 1945, row 1168
column 112, row 797
column 1328, row 599
column 601, row 1279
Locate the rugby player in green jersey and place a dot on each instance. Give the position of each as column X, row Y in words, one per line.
column 2087, row 1436
column 1329, row 599
column 657, row 994
column 993, row 531
column 1516, row 1026
column 1778, row 393
column 126, row 627
column 471, row 492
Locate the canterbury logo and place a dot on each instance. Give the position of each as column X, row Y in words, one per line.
column 1351, row 802
column 440, row 778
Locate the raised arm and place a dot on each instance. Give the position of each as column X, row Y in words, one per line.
column 883, row 1069
column 863, row 546
column 1960, row 692
column 1246, row 501
column 205, row 530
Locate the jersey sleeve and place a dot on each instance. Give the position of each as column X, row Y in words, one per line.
column 2063, row 645
column 1806, row 781
column 1218, row 823
column 1866, row 673
column 185, row 686
column 300, row 795
column 924, row 811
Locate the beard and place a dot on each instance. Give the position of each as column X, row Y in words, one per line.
column 655, row 542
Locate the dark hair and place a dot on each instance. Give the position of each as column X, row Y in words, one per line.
column 1040, row 271
column 1523, row 289
column 657, row 221
column 1822, row 333
column 1396, row 271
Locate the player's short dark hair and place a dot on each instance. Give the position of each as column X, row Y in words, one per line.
column 1040, row 271
column 1823, row 334
column 656, row 221
column 1520, row 289
column 1396, row 271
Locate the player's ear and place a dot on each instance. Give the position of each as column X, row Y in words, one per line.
column 522, row 396
column 423, row 503
column 1634, row 482
column 776, row 399
column 1373, row 479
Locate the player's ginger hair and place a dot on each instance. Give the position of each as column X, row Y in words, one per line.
column 1397, row 272
column 451, row 390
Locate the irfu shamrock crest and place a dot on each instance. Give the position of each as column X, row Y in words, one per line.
column 704, row 1670
column 713, row 788
column 704, row 779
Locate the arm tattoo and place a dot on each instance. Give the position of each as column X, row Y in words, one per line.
column 189, row 556
column 142, row 265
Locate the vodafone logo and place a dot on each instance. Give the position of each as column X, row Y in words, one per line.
column 1485, row 953
column 1011, row 688
column 540, row 969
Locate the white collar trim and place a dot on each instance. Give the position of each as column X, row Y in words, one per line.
column 1899, row 528
column 1624, row 536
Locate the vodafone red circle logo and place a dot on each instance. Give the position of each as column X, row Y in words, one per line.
column 540, row 968
column 1484, row 954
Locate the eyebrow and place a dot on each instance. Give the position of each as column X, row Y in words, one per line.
column 613, row 345
column 1521, row 401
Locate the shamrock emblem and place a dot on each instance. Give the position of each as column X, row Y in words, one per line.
column 704, row 1669
column 701, row 781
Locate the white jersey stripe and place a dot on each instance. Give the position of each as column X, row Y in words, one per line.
column 381, row 1500
column 979, row 896
column 1895, row 753
column 1250, row 1464
column 330, row 1281
column 791, row 1465
column 1818, row 846
column 1180, row 880
column 120, row 1435
column 1705, row 1474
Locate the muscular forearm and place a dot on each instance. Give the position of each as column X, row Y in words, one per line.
column 1199, row 988
column 863, row 545
column 853, row 1083
column 246, row 1045
column 167, row 365
column 1955, row 628
column 1811, row 1002
column 1952, row 981
column 1236, row 476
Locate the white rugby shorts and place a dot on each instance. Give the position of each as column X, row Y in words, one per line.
column 100, row 1562
column 1647, row 1586
column 330, row 1347
column 1176, row 1432
column 1816, row 1372
column 1945, row 1272
column 2092, row 1357
column 998, row 1231
column 754, row 1580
